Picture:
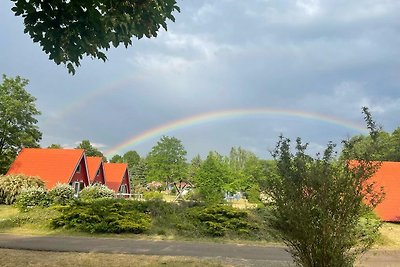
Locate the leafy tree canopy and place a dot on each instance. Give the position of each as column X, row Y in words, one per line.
column 69, row 29
column 116, row 159
column 90, row 150
column 17, row 120
column 132, row 158
column 387, row 145
column 54, row 146
column 213, row 178
column 167, row 160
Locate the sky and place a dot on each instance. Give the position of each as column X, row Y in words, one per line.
column 226, row 73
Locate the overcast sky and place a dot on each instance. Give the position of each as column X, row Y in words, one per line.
column 323, row 57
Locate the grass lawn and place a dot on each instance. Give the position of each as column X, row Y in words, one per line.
column 390, row 236
column 12, row 258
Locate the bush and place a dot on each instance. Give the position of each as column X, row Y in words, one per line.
column 153, row 195
column 61, row 194
column 96, row 191
column 12, row 185
column 32, row 197
column 103, row 216
column 218, row 220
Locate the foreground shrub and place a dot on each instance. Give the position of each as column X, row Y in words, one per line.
column 96, row 191
column 31, row 197
column 320, row 204
column 103, row 216
column 218, row 220
column 12, row 185
column 61, row 194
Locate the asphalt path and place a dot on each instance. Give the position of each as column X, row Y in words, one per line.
column 235, row 254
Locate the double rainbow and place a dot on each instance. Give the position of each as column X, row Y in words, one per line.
column 228, row 114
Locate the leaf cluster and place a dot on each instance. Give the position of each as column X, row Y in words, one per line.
column 69, row 29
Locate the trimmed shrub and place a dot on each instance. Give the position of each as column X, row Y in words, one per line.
column 96, row 191
column 152, row 195
column 103, row 216
column 12, row 185
column 218, row 220
column 61, row 194
column 32, row 197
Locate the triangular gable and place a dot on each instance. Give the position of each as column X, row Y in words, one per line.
column 116, row 174
column 51, row 165
column 95, row 170
column 388, row 177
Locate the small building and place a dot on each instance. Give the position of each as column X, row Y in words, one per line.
column 117, row 178
column 388, row 178
column 53, row 166
column 95, row 170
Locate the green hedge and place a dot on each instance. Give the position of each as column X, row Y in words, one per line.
column 219, row 220
column 103, row 216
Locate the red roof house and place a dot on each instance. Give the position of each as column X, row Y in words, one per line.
column 388, row 177
column 95, row 170
column 65, row 166
column 117, row 177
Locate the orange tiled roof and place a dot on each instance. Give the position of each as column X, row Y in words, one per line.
column 51, row 165
column 388, row 176
column 114, row 173
column 93, row 164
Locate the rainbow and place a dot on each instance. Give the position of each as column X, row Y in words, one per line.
column 227, row 114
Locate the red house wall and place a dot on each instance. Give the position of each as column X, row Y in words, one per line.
column 99, row 178
column 125, row 181
column 82, row 175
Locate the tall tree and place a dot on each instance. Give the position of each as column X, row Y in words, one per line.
column 138, row 177
column 212, row 178
column 17, row 120
column 90, row 150
column 167, row 160
column 194, row 167
column 67, row 30
column 132, row 158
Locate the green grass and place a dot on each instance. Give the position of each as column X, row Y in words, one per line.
column 390, row 236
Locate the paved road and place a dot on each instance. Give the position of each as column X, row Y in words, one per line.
column 239, row 255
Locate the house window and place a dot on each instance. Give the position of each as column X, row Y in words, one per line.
column 77, row 186
column 122, row 189
column 78, row 170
